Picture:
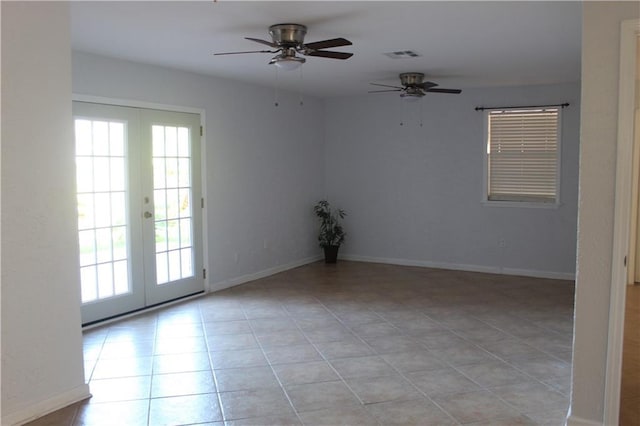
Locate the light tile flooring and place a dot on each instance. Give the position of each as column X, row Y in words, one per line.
column 352, row 343
column 630, row 389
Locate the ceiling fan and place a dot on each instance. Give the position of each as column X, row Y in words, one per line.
column 413, row 87
column 288, row 39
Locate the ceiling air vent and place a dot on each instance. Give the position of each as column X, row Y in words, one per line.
column 400, row 54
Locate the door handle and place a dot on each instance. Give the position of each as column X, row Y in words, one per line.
column 147, row 215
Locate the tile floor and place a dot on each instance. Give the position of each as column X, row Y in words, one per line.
column 352, row 343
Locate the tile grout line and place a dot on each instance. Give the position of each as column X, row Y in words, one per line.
column 484, row 388
column 323, row 298
column 378, row 355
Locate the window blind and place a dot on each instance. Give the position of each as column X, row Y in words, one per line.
column 522, row 152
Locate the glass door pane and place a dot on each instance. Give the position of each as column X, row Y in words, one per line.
column 172, row 194
column 173, row 218
column 107, row 172
column 102, row 206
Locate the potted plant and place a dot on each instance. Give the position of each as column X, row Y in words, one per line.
column 331, row 232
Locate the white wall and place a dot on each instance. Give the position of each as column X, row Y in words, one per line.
column 413, row 194
column 264, row 164
column 42, row 367
column 599, row 120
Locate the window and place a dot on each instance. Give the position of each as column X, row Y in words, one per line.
column 523, row 160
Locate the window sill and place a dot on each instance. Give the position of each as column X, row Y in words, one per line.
column 521, row 204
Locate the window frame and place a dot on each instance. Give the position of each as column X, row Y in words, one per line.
column 486, row 201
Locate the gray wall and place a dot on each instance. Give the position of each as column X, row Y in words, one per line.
column 413, row 194
column 264, row 164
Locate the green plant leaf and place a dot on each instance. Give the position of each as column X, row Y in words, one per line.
column 331, row 231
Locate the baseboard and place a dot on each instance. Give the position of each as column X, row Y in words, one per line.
column 47, row 406
column 221, row 285
column 463, row 267
column 539, row 274
column 578, row 421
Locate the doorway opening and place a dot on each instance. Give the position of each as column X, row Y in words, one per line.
column 139, row 207
column 626, row 199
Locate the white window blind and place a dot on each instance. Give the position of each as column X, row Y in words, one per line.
column 522, row 155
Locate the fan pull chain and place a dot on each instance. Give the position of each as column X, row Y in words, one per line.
column 421, row 115
column 276, row 88
column 300, row 90
column 402, row 111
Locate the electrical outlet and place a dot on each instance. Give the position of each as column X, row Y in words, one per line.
column 502, row 243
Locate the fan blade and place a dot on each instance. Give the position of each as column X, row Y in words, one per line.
column 426, row 85
column 249, row 51
column 386, row 85
column 455, row 91
column 388, row 90
column 257, row 40
column 325, row 44
column 330, row 54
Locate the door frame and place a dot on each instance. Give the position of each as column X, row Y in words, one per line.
column 203, row 154
column 624, row 196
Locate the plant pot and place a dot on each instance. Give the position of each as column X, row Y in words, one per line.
column 331, row 254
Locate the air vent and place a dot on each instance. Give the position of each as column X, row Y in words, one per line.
column 400, row 54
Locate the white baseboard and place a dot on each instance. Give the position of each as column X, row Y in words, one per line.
column 578, row 421
column 463, row 267
column 221, row 285
column 539, row 274
column 232, row 282
column 47, row 406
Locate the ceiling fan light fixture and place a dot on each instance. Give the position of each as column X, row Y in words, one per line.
column 288, row 63
column 411, row 97
column 412, row 94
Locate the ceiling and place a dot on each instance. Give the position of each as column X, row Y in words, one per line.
column 461, row 44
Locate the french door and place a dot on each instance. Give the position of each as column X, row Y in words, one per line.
column 139, row 207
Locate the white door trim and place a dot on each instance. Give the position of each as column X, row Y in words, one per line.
column 630, row 31
column 136, row 104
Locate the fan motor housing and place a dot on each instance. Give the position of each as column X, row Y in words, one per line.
column 411, row 78
column 288, row 34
